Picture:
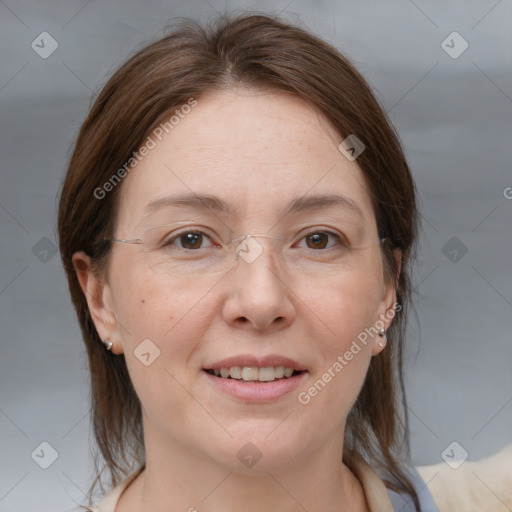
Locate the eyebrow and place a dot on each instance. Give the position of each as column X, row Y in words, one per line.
column 213, row 203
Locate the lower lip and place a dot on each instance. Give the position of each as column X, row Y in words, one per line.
column 255, row 391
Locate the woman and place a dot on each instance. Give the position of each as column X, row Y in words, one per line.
column 236, row 225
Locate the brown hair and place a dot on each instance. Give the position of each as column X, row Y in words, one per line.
column 248, row 50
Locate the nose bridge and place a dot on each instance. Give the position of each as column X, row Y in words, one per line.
column 249, row 249
column 258, row 293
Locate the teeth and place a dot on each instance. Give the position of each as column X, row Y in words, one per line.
column 249, row 373
column 235, row 372
column 267, row 374
column 252, row 373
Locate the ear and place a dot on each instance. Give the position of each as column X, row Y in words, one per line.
column 387, row 307
column 99, row 299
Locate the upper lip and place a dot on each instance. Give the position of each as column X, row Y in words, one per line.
column 259, row 362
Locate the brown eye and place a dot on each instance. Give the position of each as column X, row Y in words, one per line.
column 317, row 240
column 190, row 240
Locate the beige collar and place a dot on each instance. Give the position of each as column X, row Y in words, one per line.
column 374, row 489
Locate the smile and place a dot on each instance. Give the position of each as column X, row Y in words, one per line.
column 252, row 373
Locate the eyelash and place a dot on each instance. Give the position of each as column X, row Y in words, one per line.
column 170, row 241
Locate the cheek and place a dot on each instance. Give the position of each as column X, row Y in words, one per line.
column 345, row 307
column 162, row 326
column 173, row 315
column 346, row 304
column 152, row 305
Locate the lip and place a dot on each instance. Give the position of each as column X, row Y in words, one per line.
column 253, row 361
column 255, row 391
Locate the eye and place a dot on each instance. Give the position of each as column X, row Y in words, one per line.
column 318, row 240
column 189, row 240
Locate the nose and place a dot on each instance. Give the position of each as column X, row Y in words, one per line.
column 257, row 296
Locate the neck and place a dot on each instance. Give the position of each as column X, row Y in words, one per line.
column 177, row 478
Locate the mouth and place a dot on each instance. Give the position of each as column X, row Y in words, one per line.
column 254, row 373
column 255, row 379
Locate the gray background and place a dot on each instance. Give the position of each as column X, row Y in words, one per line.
column 454, row 116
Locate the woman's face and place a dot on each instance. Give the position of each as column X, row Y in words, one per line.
column 270, row 165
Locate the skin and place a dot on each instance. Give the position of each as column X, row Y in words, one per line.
column 256, row 151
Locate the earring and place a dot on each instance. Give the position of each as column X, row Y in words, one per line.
column 108, row 344
column 382, row 334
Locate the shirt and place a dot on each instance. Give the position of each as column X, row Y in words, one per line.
column 378, row 496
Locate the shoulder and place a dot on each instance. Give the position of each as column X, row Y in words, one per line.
column 472, row 486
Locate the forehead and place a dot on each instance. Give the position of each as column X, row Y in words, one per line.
column 257, row 151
